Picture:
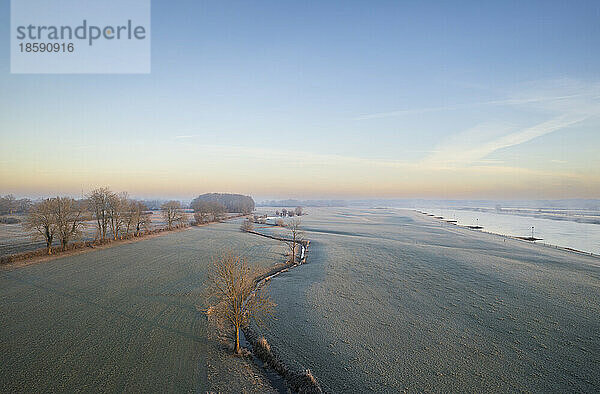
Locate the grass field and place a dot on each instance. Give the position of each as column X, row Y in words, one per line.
column 391, row 300
column 124, row 318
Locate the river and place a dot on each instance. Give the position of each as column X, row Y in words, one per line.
column 581, row 236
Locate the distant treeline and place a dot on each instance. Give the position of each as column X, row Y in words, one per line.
column 154, row 205
column 303, row 203
column 10, row 205
column 232, row 203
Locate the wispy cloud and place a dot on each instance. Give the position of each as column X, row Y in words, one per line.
column 529, row 100
column 462, row 150
column 557, row 100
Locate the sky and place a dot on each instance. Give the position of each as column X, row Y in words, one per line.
column 349, row 99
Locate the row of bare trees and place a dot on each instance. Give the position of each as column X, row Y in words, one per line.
column 208, row 211
column 57, row 217
column 115, row 215
column 173, row 214
column 63, row 218
column 118, row 214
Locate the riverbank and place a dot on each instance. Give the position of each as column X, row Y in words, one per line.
column 570, row 235
column 526, row 239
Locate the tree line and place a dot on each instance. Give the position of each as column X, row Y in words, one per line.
column 114, row 215
column 10, row 205
column 232, row 203
column 208, row 211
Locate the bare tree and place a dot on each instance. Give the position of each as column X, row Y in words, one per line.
column 11, row 204
column 298, row 211
column 128, row 218
column 142, row 218
column 99, row 205
column 233, row 293
column 218, row 212
column 247, row 225
column 136, row 218
column 207, row 211
column 23, row 204
column 117, row 208
column 296, row 237
column 171, row 212
column 41, row 219
column 8, row 204
column 183, row 218
column 201, row 216
column 69, row 219
column 279, row 222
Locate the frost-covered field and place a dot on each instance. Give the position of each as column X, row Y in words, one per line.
column 392, row 300
column 124, row 318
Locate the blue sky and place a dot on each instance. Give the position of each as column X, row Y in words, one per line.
column 342, row 99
